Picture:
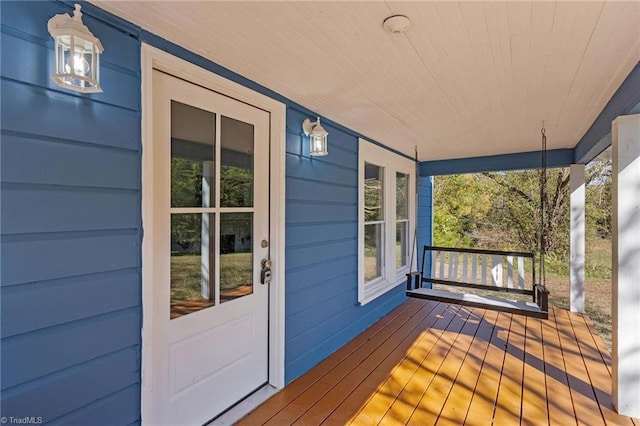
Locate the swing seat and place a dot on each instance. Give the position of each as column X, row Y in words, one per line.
column 499, row 272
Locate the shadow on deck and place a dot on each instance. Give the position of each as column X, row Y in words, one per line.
column 433, row 363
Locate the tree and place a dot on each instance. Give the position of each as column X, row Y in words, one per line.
column 236, row 187
column 520, row 211
column 461, row 203
column 502, row 210
column 598, row 206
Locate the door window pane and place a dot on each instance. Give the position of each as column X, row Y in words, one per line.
column 401, row 244
column 402, row 196
column 236, row 255
column 192, row 156
column 373, row 192
column 192, row 263
column 236, row 167
column 373, row 251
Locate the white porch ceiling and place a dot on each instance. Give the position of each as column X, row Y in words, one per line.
column 467, row 78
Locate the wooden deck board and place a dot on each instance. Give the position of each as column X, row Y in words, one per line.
column 509, row 401
column 482, row 407
column 459, row 340
column 458, row 402
column 391, row 382
column 559, row 402
column 599, row 375
column 534, row 389
column 380, row 359
column 273, row 405
column 433, row 363
column 599, row 343
column 584, row 400
column 394, row 391
column 405, row 403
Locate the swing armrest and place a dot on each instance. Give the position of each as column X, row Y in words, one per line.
column 541, row 294
column 414, row 280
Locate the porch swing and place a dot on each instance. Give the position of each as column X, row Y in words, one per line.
column 492, row 271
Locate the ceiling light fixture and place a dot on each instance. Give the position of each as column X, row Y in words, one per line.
column 396, row 24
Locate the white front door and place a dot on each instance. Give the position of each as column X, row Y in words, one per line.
column 210, row 233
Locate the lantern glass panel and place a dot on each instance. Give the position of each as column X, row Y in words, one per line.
column 63, row 45
column 80, row 62
column 318, row 144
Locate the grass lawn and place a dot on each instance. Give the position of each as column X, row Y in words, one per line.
column 235, row 272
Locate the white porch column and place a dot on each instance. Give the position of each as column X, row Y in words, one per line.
column 577, row 234
column 625, row 139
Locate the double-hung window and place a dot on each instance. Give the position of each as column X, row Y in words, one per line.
column 386, row 220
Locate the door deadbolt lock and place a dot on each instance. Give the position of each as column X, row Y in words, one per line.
column 265, row 272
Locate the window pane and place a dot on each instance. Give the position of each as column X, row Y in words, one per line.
column 192, row 268
column 236, row 168
column 373, row 251
column 402, row 196
column 236, row 255
column 401, row 244
column 373, row 192
column 192, row 156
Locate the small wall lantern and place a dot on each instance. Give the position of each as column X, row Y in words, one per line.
column 77, row 53
column 317, row 136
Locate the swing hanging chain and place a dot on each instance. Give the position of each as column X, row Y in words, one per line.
column 415, row 225
column 543, row 200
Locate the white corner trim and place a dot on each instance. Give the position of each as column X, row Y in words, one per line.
column 153, row 58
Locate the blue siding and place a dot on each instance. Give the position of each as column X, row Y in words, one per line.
column 71, row 228
column 322, row 311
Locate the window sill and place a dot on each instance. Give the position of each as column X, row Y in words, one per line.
column 382, row 287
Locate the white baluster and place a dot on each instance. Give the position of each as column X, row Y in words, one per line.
column 496, row 270
column 521, row 273
column 510, row 271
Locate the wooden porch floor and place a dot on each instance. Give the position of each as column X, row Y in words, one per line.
column 432, row 363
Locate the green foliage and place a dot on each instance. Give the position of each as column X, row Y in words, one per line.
column 186, row 183
column 520, row 209
column 373, row 200
column 402, row 194
column 236, row 187
column 556, row 265
column 502, row 211
column 598, row 206
column 186, row 230
column 461, row 203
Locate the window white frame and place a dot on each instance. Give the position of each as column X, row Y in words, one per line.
column 391, row 164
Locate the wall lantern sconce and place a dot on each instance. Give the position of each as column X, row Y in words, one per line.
column 317, row 136
column 77, row 53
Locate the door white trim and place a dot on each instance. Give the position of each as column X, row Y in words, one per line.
column 153, row 58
